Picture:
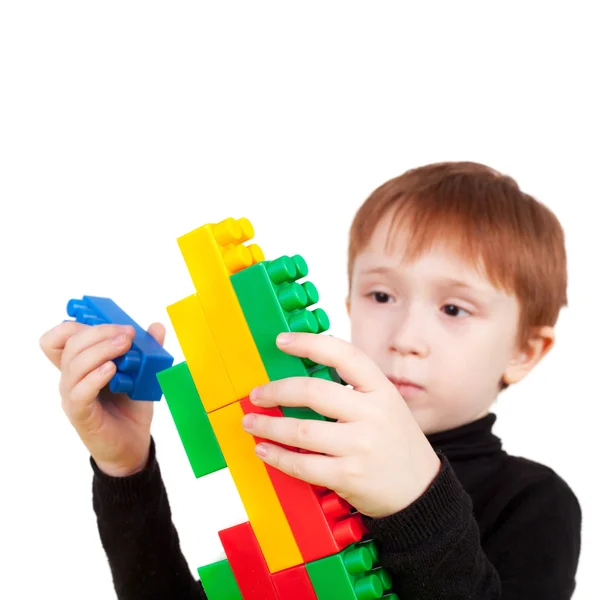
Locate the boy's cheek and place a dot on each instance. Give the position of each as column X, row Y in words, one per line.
column 365, row 335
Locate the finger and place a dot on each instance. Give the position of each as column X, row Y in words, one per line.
column 80, row 401
column 158, row 332
column 91, row 358
column 91, row 336
column 351, row 363
column 318, row 436
column 325, row 397
column 53, row 341
column 312, row 468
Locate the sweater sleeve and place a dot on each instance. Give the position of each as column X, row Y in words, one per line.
column 139, row 538
column 434, row 552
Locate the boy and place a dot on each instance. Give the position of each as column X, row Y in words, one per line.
column 456, row 280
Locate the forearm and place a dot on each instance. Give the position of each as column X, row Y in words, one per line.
column 139, row 538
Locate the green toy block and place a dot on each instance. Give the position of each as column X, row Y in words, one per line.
column 219, row 582
column 194, row 428
column 352, row 574
column 274, row 302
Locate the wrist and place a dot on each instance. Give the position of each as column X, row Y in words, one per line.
column 429, row 470
column 444, row 505
column 410, row 489
column 119, row 470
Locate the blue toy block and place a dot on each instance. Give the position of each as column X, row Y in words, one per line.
column 137, row 368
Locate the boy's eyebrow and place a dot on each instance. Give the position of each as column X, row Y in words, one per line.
column 449, row 282
column 444, row 282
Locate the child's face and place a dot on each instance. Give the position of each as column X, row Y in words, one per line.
column 454, row 342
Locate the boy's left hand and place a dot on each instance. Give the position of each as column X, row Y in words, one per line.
column 375, row 456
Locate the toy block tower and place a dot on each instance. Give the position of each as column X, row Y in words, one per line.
column 301, row 542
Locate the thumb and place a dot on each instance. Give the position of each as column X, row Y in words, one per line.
column 158, row 332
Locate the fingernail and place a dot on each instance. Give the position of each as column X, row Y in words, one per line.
column 107, row 367
column 248, row 422
column 285, row 338
column 261, row 450
column 255, row 393
column 119, row 340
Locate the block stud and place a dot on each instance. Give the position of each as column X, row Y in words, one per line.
column 292, row 297
column 232, row 231
column 372, row 548
column 311, row 292
column 82, row 312
column 303, row 321
column 358, row 560
column 237, row 258
column 282, row 270
column 74, row 305
column 347, row 531
column 121, row 384
column 246, row 228
column 129, row 362
column 385, row 578
column 301, row 266
column 322, row 319
column 333, row 506
column 368, row 587
column 257, row 254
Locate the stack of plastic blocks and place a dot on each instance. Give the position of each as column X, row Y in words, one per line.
column 301, row 542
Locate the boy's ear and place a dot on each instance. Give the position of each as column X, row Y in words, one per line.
column 525, row 359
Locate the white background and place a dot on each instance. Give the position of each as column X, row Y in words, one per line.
column 126, row 124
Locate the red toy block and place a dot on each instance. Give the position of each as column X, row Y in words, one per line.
column 294, row 584
column 321, row 521
column 248, row 563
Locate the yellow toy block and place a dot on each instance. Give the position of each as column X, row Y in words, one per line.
column 212, row 254
column 256, row 490
column 201, row 353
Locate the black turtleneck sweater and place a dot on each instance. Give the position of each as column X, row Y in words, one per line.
column 490, row 526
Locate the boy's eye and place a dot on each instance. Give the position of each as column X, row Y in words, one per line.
column 380, row 297
column 453, row 309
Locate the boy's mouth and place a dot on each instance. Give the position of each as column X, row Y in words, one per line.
column 403, row 381
column 406, row 388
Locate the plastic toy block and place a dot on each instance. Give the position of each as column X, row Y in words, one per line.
column 191, row 420
column 201, row 353
column 352, row 574
column 273, row 302
column 294, row 584
column 219, row 582
column 248, row 563
column 321, row 521
column 212, row 254
column 256, row 491
column 137, row 368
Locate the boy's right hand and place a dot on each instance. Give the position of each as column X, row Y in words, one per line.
column 114, row 428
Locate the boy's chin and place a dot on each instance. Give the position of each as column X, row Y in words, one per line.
column 432, row 419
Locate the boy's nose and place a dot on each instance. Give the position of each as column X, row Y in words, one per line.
column 408, row 337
